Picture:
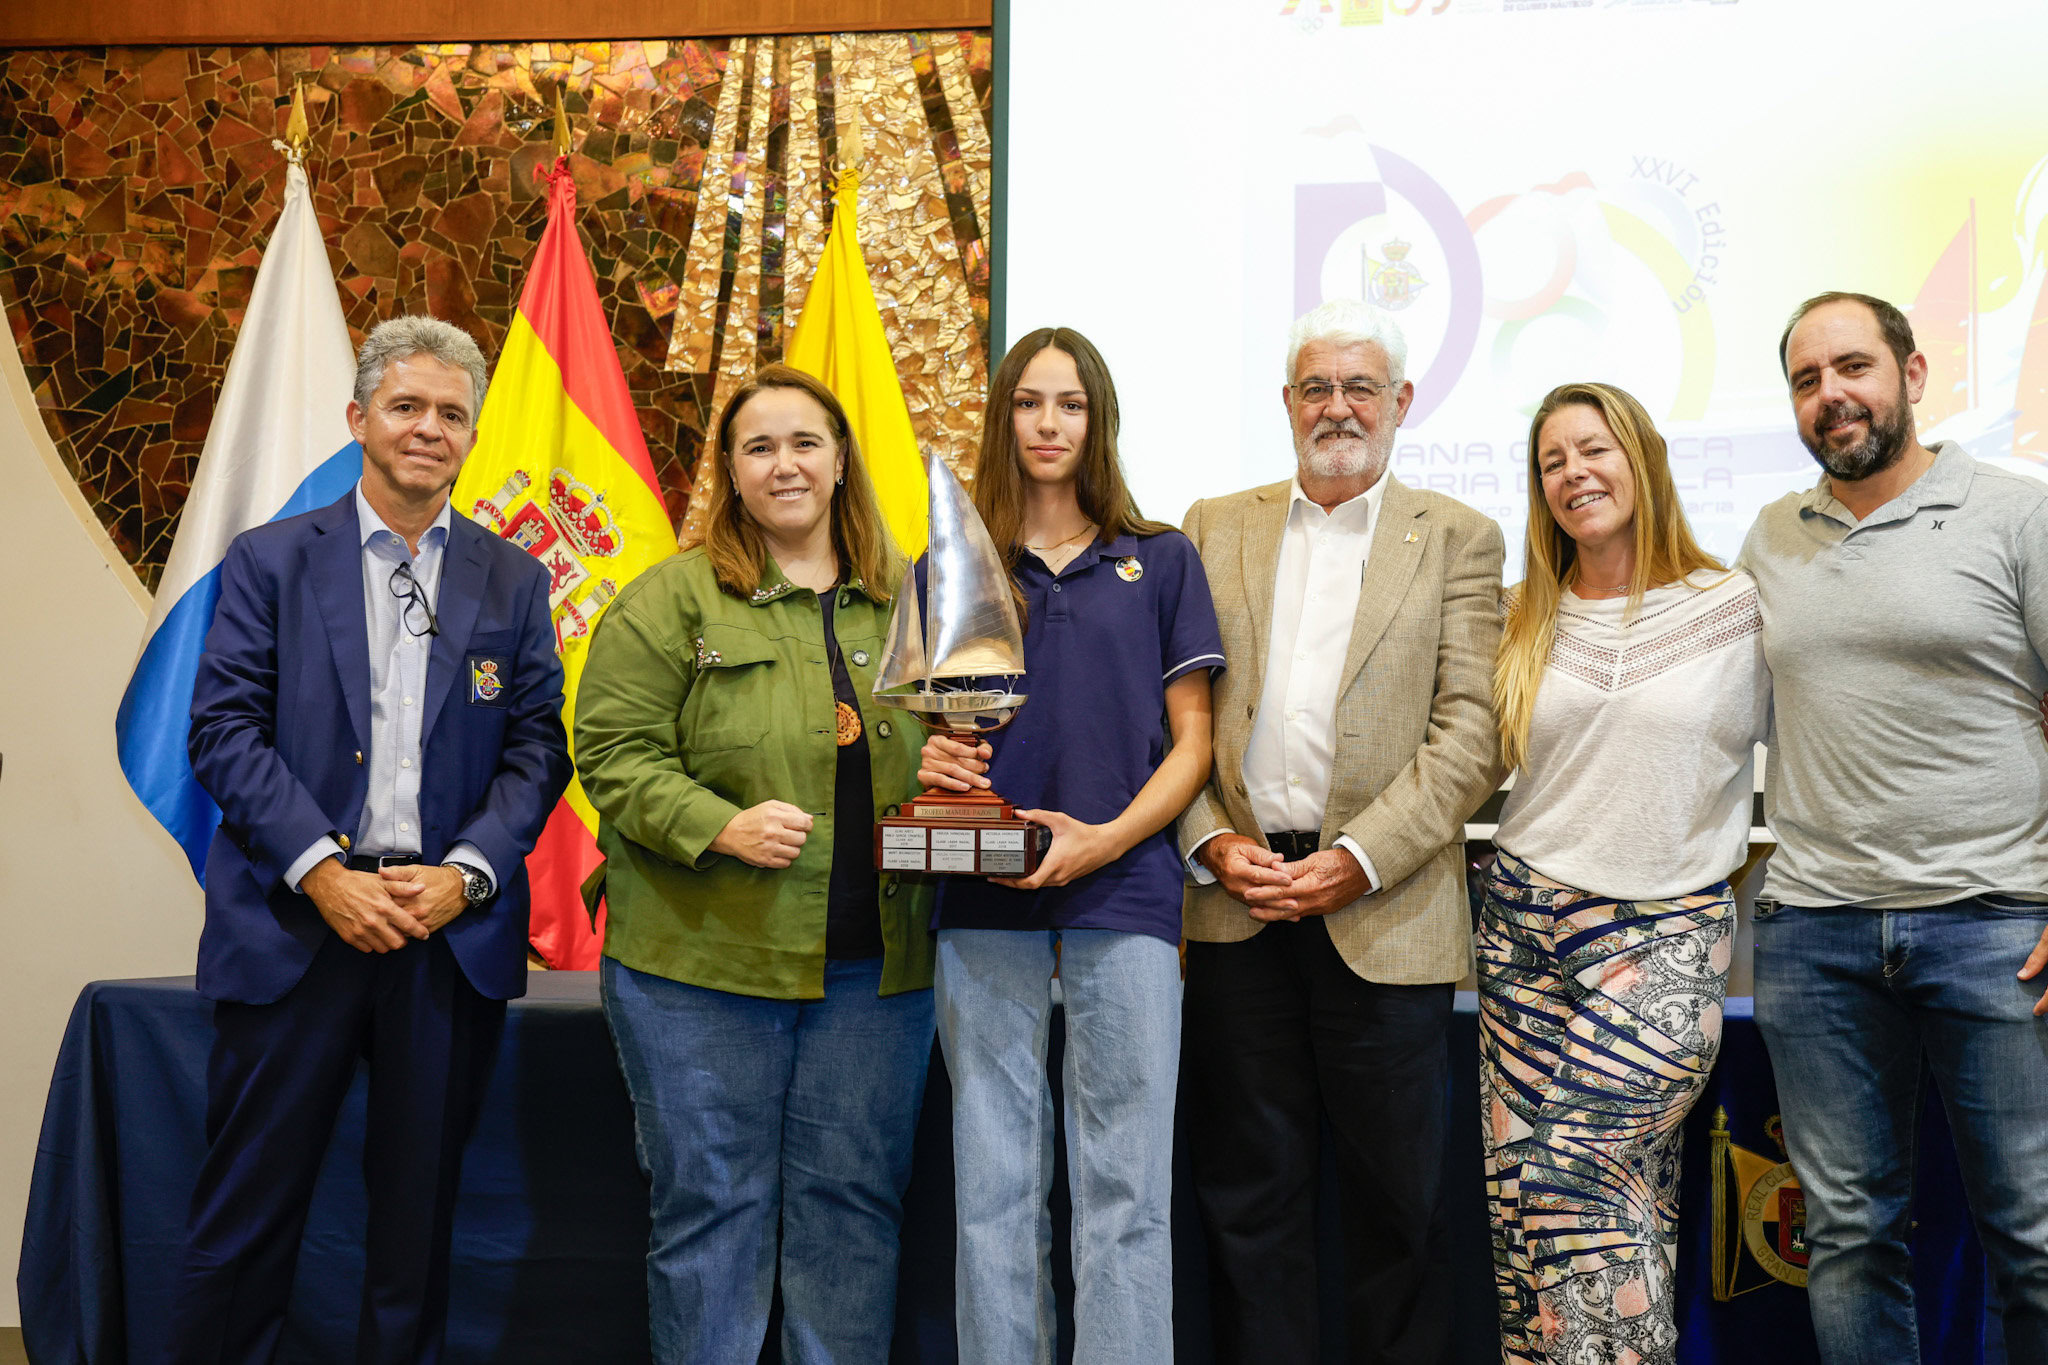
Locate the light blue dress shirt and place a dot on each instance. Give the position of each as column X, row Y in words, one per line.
column 398, row 676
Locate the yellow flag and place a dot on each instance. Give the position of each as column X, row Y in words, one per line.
column 840, row 340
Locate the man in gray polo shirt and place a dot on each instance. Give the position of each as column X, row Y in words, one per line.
column 1905, row 606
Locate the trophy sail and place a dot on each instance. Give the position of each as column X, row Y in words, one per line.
column 971, row 627
column 903, row 658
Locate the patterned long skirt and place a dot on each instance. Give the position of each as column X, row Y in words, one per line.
column 1599, row 1021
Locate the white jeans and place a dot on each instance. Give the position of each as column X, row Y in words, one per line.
column 1122, row 996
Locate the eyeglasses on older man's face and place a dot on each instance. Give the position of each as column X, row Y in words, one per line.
column 1316, row 392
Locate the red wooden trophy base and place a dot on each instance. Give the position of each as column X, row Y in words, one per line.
column 972, row 833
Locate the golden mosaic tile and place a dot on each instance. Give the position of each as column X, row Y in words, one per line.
column 804, row 182
column 976, row 149
column 737, row 356
column 912, row 254
column 137, row 187
column 690, row 347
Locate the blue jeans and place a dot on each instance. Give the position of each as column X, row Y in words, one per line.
column 765, row 1122
column 1122, row 997
column 1848, row 1000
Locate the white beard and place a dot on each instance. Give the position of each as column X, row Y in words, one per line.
column 1365, row 455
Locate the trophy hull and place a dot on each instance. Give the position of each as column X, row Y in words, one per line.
column 958, row 713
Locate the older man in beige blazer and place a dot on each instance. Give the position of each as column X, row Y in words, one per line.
column 1354, row 735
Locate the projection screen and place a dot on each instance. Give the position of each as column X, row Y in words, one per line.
column 1635, row 191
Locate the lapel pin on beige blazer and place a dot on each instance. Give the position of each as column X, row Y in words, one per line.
column 1415, row 747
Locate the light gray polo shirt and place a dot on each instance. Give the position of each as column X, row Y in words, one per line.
column 1907, row 766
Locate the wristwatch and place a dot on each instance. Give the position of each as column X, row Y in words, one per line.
column 476, row 887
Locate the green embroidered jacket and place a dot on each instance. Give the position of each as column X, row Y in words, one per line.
column 695, row 705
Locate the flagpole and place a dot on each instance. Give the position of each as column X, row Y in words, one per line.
column 846, row 173
column 561, row 126
column 850, row 145
column 297, row 137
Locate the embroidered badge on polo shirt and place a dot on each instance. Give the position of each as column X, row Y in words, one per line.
column 488, row 679
column 1129, row 569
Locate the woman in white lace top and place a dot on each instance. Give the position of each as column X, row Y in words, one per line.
column 1631, row 691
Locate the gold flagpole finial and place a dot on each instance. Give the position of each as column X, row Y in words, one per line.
column 296, row 133
column 850, row 147
column 561, row 123
column 845, row 177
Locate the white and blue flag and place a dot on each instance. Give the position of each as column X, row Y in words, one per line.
column 279, row 446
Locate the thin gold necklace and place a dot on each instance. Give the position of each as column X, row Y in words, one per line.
column 1060, row 543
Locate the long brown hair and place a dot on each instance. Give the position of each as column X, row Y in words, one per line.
column 732, row 538
column 1665, row 552
column 1099, row 479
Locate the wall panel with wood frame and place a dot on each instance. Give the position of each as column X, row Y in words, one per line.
column 65, row 23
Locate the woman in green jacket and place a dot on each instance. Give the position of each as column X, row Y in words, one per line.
column 768, row 992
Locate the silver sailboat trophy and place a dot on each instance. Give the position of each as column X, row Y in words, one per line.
column 956, row 670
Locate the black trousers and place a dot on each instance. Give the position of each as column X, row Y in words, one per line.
column 1279, row 1033
column 275, row 1081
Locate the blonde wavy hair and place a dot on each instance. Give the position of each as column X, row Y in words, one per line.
column 1665, row 552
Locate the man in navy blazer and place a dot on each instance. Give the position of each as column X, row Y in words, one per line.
column 378, row 715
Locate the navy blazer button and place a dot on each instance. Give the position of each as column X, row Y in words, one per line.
column 342, row 839
column 359, row 758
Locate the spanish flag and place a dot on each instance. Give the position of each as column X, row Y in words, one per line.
column 560, row 469
column 839, row 339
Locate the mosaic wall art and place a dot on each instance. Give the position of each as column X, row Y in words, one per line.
column 139, row 186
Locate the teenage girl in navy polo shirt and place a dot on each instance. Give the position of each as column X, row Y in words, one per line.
column 1119, row 643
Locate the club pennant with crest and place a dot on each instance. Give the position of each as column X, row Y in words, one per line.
column 1766, row 1199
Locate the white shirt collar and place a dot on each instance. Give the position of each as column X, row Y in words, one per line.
column 368, row 523
column 1353, row 513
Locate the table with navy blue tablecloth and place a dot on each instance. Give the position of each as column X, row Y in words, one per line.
column 551, row 1226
